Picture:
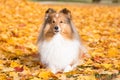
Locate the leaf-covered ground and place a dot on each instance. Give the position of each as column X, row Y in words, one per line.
column 98, row 26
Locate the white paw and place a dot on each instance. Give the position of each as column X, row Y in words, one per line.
column 53, row 69
column 68, row 68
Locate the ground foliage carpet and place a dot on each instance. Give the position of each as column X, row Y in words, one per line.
column 98, row 26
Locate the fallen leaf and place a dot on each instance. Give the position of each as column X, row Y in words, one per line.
column 18, row 69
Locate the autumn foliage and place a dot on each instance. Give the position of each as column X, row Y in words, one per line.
column 98, row 26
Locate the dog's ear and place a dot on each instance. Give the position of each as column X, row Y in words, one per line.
column 66, row 12
column 48, row 12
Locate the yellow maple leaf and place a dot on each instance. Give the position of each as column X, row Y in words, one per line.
column 89, row 77
column 14, row 64
column 112, row 52
column 45, row 74
column 106, row 65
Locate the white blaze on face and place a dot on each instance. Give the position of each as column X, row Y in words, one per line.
column 57, row 15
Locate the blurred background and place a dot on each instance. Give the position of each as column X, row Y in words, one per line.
column 85, row 1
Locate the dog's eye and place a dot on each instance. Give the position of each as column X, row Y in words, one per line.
column 61, row 21
column 53, row 21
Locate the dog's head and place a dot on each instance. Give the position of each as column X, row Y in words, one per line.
column 58, row 22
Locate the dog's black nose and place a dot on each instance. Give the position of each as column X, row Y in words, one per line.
column 56, row 27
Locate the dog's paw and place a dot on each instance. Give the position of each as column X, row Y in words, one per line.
column 68, row 68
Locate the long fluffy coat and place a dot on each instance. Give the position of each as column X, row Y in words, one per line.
column 61, row 49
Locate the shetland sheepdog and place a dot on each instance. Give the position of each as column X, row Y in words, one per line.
column 59, row 44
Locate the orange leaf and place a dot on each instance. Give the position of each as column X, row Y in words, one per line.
column 18, row 69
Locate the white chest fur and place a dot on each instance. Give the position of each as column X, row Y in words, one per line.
column 59, row 53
